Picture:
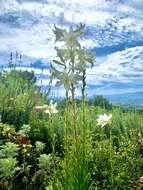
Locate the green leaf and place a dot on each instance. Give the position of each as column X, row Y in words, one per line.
column 58, row 62
column 59, row 33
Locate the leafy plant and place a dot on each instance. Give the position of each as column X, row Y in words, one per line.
column 45, row 162
column 39, row 146
column 9, row 150
column 8, row 167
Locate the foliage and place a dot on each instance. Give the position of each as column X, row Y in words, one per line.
column 45, row 162
column 43, row 155
column 8, row 167
column 18, row 97
column 9, row 150
column 39, row 146
column 101, row 102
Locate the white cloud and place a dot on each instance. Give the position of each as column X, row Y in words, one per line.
column 110, row 23
column 138, row 4
column 124, row 67
column 120, row 73
column 31, row 38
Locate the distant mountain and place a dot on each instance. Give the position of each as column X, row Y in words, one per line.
column 134, row 99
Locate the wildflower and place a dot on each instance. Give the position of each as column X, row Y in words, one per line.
column 48, row 109
column 51, row 109
column 104, row 119
column 38, row 108
column 23, row 140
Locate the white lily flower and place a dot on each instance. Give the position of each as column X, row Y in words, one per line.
column 104, row 119
column 51, row 109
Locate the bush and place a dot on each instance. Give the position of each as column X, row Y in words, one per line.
column 18, row 97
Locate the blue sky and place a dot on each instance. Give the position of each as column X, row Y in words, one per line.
column 114, row 32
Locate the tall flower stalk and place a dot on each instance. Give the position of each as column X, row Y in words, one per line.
column 69, row 68
column 71, row 63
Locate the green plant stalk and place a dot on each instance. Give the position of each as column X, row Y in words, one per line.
column 111, row 160
column 83, row 85
column 83, row 113
column 73, row 97
column 66, row 139
column 73, row 71
column 74, row 121
column 83, row 131
column 53, row 148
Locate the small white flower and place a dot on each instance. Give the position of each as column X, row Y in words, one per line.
column 51, row 109
column 104, row 119
column 39, row 107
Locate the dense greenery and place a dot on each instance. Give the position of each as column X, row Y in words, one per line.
column 42, row 151
column 70, row 144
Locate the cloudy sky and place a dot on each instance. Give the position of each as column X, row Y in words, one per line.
column 114, row 32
